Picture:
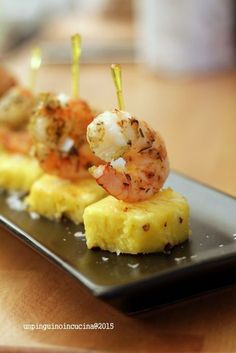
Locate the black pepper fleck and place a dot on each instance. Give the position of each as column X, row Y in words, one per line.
column 141, row 132
column 167, row 247
column 146, row 227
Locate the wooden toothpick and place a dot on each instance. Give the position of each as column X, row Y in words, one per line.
column 76, row 52
column 116, row 75
column 35, row 63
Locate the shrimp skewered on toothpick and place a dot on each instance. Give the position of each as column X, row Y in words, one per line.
column 138, row 216
column 136, row 158
column 17, row 104
column 18, row 170
column 58, row 128
column 15, row 110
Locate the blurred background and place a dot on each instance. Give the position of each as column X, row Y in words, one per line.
column 178, row 60
column 168, row 35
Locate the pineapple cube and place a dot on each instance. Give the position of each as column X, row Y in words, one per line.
column 153, row 225
column 18, row 172
column 53, row 197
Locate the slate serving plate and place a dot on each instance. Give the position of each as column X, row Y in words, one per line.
column 134, row 283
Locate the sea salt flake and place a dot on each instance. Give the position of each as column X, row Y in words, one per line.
column 180, row 259
column 192, row 257
column 105, row 258
column 15, row 203
column 34, row 215
column 67, row 145
column 97, row 173
column 133, row 265
column 79, row 235
column 63, row 98
column 118, row 163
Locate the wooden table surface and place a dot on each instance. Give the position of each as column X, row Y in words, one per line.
column 197, row 118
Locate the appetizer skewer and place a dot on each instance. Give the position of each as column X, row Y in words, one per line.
column 17, row 103
column 137, row 217
column 58, row 129
column 18, row 170
column 136, row 158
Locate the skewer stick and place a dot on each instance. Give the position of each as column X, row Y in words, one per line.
column 116, row 75
column 35, row 63
column 76, row 52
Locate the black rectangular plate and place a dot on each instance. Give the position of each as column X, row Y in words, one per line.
column 205, row 262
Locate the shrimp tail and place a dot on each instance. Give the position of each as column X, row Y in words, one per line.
column 107, row 177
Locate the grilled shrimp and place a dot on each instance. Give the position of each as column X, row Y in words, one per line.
column 136, row 159
column 16, row 106
column 6, row 81
column 58, row 129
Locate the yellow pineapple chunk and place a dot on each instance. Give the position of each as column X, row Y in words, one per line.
column 53, row 197
column 149, row 226
column 18, row 172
